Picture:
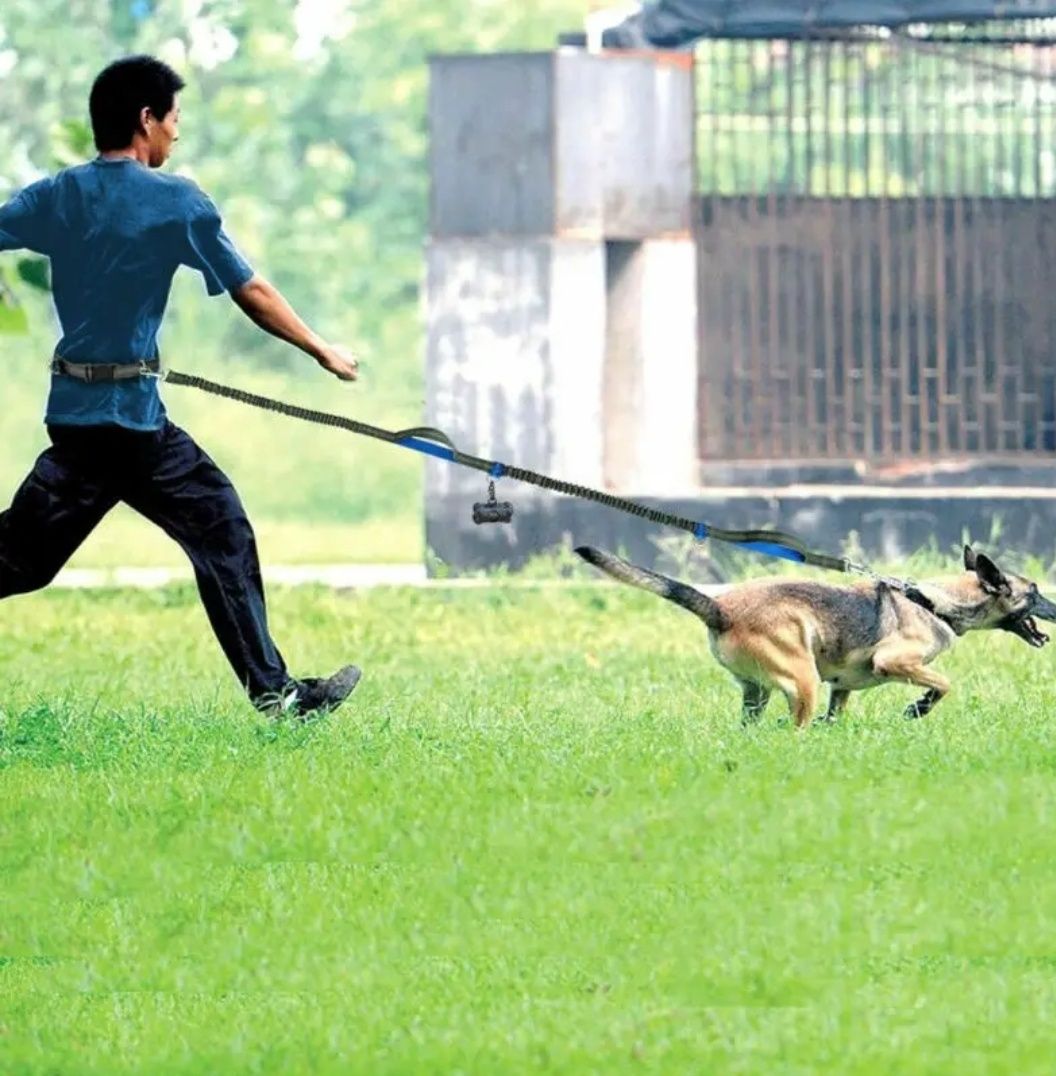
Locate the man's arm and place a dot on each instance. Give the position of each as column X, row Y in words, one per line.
column 24, row 219
column 205, row 246
column 264, row 304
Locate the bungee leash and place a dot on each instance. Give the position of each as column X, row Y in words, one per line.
column 434, row 442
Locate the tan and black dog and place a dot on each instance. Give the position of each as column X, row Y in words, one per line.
column 791, row 634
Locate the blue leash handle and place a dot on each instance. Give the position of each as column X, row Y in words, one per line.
column 771, row 549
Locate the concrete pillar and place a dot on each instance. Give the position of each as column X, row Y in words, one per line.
column 650, row 397
column 515, row 356
column 563, row 143
column 560, row 287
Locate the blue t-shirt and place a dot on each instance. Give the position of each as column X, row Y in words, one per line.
column 116, row 231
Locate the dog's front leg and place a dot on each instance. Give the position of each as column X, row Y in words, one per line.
column 925, row 704
column 837, row 704
column 908, row 667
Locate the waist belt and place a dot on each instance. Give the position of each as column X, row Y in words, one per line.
column 105, row 371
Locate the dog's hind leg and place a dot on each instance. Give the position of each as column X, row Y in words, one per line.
column 908, row 667
column 755, row 698
column 801, row 690
column 783, row 662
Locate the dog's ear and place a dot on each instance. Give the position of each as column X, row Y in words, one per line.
column 990, row 575
column 969, row 559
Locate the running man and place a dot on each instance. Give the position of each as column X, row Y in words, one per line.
column 115, row 230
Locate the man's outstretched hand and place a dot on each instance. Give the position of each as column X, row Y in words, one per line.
column 340, row 362
column 263, row 304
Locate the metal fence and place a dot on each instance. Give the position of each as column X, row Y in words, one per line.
column 877, row 237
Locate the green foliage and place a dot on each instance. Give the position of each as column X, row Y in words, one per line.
column 13, row 319
column 536, row 839
column 71, row 143
column 35, row 272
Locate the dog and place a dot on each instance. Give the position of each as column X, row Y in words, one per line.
column 791, row 635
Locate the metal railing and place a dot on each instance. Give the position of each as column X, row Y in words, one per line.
column 877, row 237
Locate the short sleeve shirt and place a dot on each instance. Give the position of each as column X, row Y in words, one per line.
column 115, row 232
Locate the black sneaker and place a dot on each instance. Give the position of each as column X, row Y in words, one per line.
column 316, row 696
column 311, row 696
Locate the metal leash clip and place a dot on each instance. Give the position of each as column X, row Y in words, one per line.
column 145, row 371
column 908, row 587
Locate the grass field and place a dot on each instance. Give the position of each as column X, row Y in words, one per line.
column 536, row 840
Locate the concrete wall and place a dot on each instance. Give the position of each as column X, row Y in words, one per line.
column 650, row 412
column 560, row 292
column 564, row 143
column 515, row 356
column 887, row 522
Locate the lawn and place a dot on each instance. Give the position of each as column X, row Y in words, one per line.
column 536, row 840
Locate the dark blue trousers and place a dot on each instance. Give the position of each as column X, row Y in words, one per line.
column 165, row 476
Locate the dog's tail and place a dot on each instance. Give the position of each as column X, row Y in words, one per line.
column 700, row 604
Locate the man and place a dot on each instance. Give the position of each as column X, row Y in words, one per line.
column 115, row 231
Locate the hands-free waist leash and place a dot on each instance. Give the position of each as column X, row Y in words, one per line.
column 106, row 371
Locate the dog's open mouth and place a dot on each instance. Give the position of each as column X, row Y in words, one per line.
column 1026, row 627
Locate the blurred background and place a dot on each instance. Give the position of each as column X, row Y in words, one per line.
column 760, row 264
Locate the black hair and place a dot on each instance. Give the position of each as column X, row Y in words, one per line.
column 122, row 90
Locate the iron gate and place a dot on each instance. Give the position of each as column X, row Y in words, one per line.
column 877, row 244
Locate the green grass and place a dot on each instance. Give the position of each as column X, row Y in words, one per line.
column 536, row 840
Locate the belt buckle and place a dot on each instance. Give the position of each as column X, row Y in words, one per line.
column 89, row 373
